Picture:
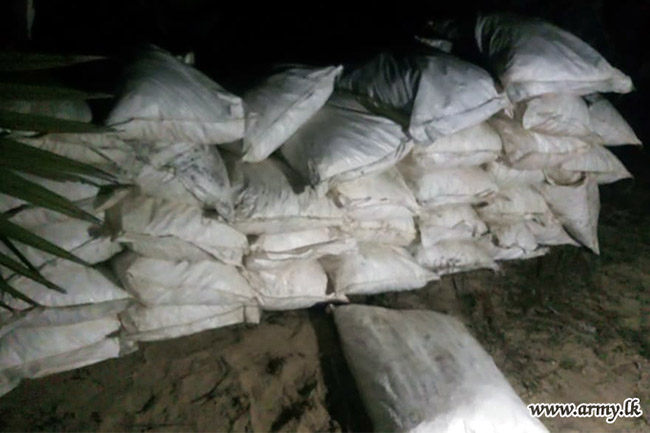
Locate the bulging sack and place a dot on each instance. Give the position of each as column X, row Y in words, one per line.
column 600, row 163
column 281, row 104
column 557, row 114
column 303, row 244
column 166, row 230
column 455, row 255
column 533, row 57
column 450, row 222
column 375, row 268
column 163, row 99
column 344, row 141
column 165, row 282
column 391, row 231
column 270, row 198
column 433, row 95
column 422, row 371
column 608, row 123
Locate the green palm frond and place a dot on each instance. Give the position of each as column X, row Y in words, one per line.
column 17, row 158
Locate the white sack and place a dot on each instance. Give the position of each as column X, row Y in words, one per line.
column 269, row 198
column 164, row 184
column 281, row 104
column 81, row 238
column 451, row 256
column 164, row 282
column 468, row 147
column 393, row 231
column 163, row 99
column 375, row 268
column 601, row 163
column 382, row 195
column 528, row 150
column 577, row 207
column 512, row 239
column 450, row 222
column 422, row 371
column 163, row 322
column 304, row 244
column 83, row 284
column 167, row 230
column 290, row 284
column 507, row 176
column 533, row 57
column 608, row 123
column 342, row 142
column 433, row 187
column 557, row 114
column 435, row 94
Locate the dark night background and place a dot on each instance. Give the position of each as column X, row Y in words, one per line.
column 235, row 42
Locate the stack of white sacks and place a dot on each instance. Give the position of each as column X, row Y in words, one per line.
column 322, row 183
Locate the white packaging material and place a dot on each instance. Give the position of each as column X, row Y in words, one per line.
column 199, row 169
column 83, row 284
column 342, row 142
column 422, row 371
column 434, row 95
column 393, row 231
column 450, row 222
column 557, row 114
column 163, row 99
column 533, row 57
column 577, row 207
column 382, row 195
column 143, row 323
column 269, row 198
column 512, row 239
column 106, row 151
column 434, row 187
column 608, row 123
column 469, row 147
column 600, row 162
column 452, row 255
column 506, row 176
column 66, row 109
column 166, row 230
column 281, row 104
column 375, row 268
column 528, row 150
column 290, row 284
column 164, row 184
column 303, row 244
column 165, row 282
column 79, row 237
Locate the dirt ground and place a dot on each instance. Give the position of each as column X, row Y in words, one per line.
column 568, row 327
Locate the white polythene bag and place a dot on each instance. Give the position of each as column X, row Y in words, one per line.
column 528, row 150
column 557, row 114
column 449, row 222
column 600, row 162
column 165, row 282
column 281, row 104
column 392, row 231
column 377, row 196
column 167, row 230
column 290, row 284
column 161, row 322
column 163, row 184
column 437, row 186
column 433, row 95
column 344, row 141
column 163, row 99
column 506, row 176
column 422, row 371
column 468, row 147
column 577, row 207
column 270, row 198
column 533, row 57
column 454, row 255
column 303, row 244
column 375, row 268
column 608, row 123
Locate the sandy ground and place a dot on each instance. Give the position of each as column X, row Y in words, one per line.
column 568, row 327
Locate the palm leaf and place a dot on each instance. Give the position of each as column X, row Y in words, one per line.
column 16, row 252
column 36, row 122
column 19, row 269
column 15, row 186
column 11, row 61
column 30, row 92
column 28, row 159
column 6, row 306
column 6, row 288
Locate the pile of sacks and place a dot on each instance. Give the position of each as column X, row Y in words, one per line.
column 318, row 184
